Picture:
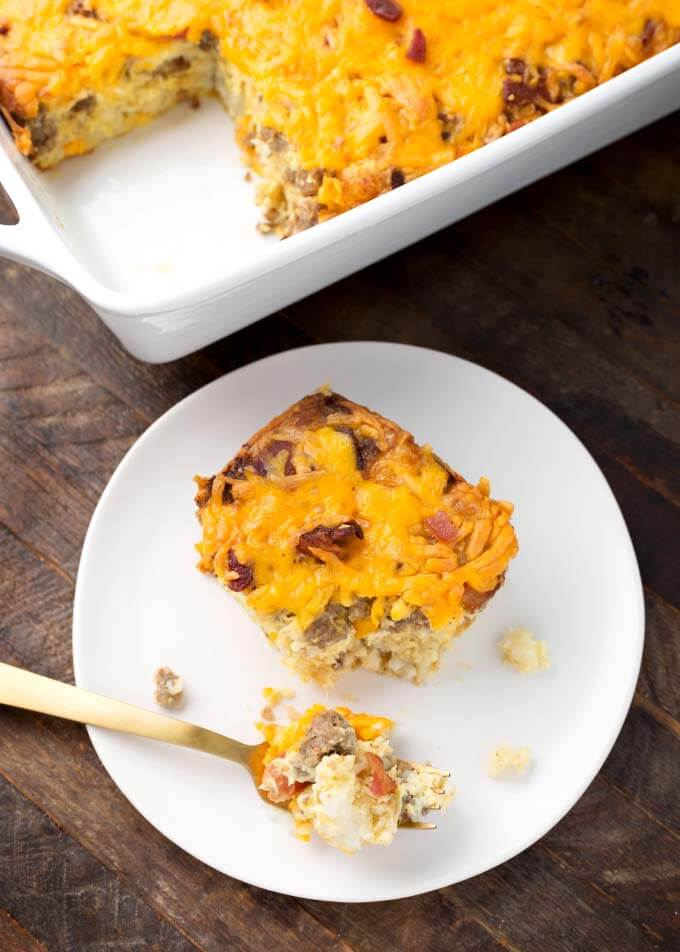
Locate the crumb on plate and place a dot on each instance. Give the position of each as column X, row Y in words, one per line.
column 522, row 651
column 169, row 688
column 273, row 697
column 506, row 760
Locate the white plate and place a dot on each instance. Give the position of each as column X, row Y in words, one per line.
column 140, row 603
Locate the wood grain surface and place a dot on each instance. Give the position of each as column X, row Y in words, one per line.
column 570, row 288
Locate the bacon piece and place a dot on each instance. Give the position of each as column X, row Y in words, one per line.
column 385, row 9
column 244, row 574
column 330, row 538
column 282, row 790
column 648, row 31
column 417, row 48
column 441, row 527
column 380, row 784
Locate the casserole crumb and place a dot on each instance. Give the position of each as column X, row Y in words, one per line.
column 522, row 651
column 507, row 760
column 274, row 697
column 169, row 688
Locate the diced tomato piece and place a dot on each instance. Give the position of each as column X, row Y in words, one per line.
column 282, row 788
column 380, row 784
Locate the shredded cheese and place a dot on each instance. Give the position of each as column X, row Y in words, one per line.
column 396, row 561
column 333, row 77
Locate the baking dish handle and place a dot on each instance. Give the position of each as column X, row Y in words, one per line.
column 32, row 239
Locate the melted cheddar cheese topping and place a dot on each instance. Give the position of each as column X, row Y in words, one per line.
column 398, row 564
column 284, row 738
column 332, row 76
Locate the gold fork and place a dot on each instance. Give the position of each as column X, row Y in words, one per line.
column 34, row 692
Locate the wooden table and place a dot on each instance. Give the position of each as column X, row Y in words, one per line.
column 572, row 290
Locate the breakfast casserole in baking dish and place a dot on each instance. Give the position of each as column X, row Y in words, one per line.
column 335, row 101
column 349, row 544
column 336, row 772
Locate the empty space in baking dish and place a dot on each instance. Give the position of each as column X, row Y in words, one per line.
column 162, row 208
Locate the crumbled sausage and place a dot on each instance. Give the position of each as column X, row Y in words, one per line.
column 208, row 41
column 329, row 733
column 308, row 181
column 274, row 139
column 306, row 215
column 177, row 64
column 329, row 628
column 81, row 9
column 397, row 178
column 169, row 687
column 86, row 104
column 417, row 619
column 43, row 131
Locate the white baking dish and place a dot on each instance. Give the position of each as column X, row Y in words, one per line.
column 157, row 229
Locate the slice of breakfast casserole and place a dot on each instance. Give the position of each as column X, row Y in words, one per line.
column 336, row 772
column 350, row 544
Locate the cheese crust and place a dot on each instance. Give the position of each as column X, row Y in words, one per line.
column 350, row 544
column 333, row 103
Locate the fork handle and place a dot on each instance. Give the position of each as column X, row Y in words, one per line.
column 34, row 692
